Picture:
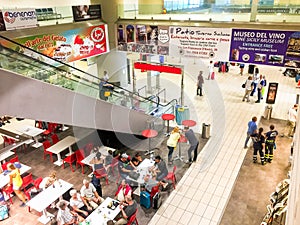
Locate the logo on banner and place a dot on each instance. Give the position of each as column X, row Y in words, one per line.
column 163, row 36
column 10, row 17
column 97, row 34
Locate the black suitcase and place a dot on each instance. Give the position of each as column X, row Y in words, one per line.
column 251, row 69
column 157, row 201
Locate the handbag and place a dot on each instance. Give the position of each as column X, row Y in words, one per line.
column 134, row 175
column 243, row 85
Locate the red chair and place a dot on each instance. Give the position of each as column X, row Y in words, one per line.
column 100, row 173
column 69, row 159
column 79, row 157
column 133, row 219
column 15, row 159
column 171, row 176
column 46, row 145
column 88, row 148
column 37, row 182
column 4, row 166
column 54, row 138
column 8, row 141
column 154, row 190
column 9, row 191
column 114, row 163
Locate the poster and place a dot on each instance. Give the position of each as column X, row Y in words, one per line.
column 86, row 12
column 272, row 92
column 199, row 42
column 19, row 18
column 268, row 47
column 144, row 39
column 2, row 25
column 70, row 45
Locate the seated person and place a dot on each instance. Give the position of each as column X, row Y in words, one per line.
column 90, row 195
column 65, row 216
column 159, row 169
column 97, row 161
column 95, row 150
column 124, row 166
column 48, row 181
column 110, row 222
column 150, row 182
column 128, row 208
column 137, row 159
column 123, row 190
column 79, row 205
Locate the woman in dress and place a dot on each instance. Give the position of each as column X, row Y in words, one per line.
column 172, row 142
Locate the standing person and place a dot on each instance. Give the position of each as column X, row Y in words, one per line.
column 270, row 143
column 264, row 87
column 258, row 145
column 242, row 66
column 210, row 70
column 248, row 88
column 15, row 180
column 191, row 137
column 105, row 75
column 255, row 80
column 292, row 118
column 172, row 143
column 251, row 128
column 104, row 87
column 200, row 83
column 260, row 85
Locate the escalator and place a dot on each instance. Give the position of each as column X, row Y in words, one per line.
column 38, row 87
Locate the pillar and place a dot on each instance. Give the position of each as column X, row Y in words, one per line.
column 150, row 6
column 253, row 10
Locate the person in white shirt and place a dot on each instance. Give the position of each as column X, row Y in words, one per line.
column 255, row 81
column 248, row 88
column 210, row 69
column 65, row 216
column 90, row 195
column 292, row 118
column 79, row 204
column 105, row 76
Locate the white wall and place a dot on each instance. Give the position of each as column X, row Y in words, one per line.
column 9, row 4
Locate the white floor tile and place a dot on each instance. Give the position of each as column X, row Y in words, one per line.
column 209, row 212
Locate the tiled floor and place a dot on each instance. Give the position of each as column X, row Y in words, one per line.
column 208, row 183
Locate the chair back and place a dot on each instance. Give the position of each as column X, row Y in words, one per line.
column 79, row 155
column 115, row 161
column 54, row 138
column 46, row 144
column 14, row 159
column 154, row 190
column 27, row 180
column 132, row 218
column 100, row 172
column 37, row 182
column 4, row 166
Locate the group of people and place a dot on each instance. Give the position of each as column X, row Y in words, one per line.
column 173, row 142
column 256, row 83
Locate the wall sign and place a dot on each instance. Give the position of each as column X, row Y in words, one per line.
column 19, row 18
column 272, row 92
column 86, row 12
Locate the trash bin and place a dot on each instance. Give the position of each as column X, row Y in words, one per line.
column 181, row 113
column 205, row 130
column 268, row 112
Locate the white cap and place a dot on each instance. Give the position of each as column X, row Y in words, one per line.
column 124, row 155
column 73, row 192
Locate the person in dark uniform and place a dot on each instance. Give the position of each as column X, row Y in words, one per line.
column 270, row 143
column 258, row 140
column 193, row 141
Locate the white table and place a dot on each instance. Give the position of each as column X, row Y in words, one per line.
column 41, row 201
column 60, row 146
column 104, row 152
column 5, row 155
column 33, row 132
column 102, row 214
column 4, row 179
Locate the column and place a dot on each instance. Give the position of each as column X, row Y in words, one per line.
column 150, row 6
column 253, row 10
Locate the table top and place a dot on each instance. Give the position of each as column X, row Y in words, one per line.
column 30, row 130
column 49, row 195
column 189, row 123
column 102, row 214
column 168, row 116
column 142, row 169
column 102, row 149
column 182, row 139
column 4, row 179
column 62, row 145
column 6, row 154
column 149, row 133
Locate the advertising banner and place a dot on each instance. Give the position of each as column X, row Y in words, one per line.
column 206, row 43
column 145, row 39
column 19, row 18
column 70, row 45
column 272, row 92
column 2, row 25
column 86, row 12
column 268, row 47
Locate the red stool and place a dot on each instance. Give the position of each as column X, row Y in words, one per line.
column 167, row 117
column 149, row 133
column 189, row 123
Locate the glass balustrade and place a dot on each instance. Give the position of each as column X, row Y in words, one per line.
column 26, row 62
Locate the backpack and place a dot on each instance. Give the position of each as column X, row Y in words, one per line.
column 3, row 212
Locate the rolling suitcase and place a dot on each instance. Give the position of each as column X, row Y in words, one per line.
column 212, row 76
column 145, row 199
column 3, row 212
column 157, row 201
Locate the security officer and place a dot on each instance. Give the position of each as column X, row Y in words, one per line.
column 270, row 143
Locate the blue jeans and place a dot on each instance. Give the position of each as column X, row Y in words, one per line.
column 247, row 139
column 171, row 149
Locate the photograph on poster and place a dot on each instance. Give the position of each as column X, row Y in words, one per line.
column 129, row 33
column 86, row 12
column 122, row 47
column 235, row 54
column 152, row 49
column 163, row 50
column 140, row 48
column 131, row 47
column 292, row 63
column 152, row 35
column 2, row 24
column 276, row 59
column 141, row 34
column 260, row 57
column 120, row 34
column 272, row 91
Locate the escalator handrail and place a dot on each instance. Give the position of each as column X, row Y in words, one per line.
column 23, row 46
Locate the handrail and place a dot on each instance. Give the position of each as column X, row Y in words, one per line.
column 144, row 87
column 165, row 94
